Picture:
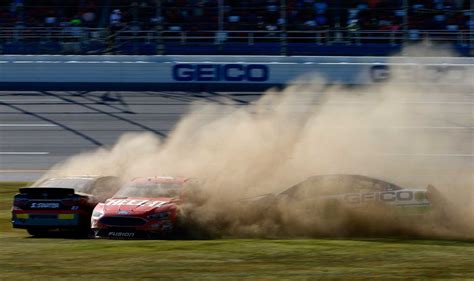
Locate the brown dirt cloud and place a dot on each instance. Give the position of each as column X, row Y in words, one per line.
column 304, row 130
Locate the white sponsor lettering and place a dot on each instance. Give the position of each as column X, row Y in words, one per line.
column 121, row 234
column 397, row 197
column 126, row 202
column 44, row 205
column 157, row 204
column 137, row 202
column 116, row 202
column 388, row 196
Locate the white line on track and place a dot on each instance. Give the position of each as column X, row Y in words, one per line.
column 23, row 153
column 403, row 127
column 28, row 125
column 30, row 100
column 23, row 171
column 404, row 102
column 435, row 127
column 438, row 102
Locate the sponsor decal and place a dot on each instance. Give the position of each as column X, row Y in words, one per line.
column 44, row 205
column 22, row 216
column 221, row 72
column 65, row 216
column 127, row 202
column 387, row 196
column 121, row 234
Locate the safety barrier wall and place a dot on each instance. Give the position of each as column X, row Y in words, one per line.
column 49, row 72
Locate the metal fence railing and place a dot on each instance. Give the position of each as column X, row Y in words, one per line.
column 113, row 40
column 51, row 33
column 290, row 38
column 317, row 37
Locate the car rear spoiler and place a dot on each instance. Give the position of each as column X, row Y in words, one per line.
column 39, row 191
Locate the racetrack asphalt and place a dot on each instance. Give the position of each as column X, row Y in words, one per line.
column 38, row 129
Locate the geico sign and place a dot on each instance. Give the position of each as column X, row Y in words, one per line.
column 430, row 73
column 221, row 72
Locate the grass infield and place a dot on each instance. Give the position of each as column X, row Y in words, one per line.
column 26, row 258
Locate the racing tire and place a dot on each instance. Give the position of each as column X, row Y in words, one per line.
column 83, row 234
column 38, row 232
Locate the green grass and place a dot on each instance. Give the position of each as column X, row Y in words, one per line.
column 22, row 257
column 7, row 190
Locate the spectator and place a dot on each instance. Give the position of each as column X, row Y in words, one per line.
column 115, row 18
column 195, row 15
column 353, row 25
column 75, row 28
column 50, row 20
column 89, row 18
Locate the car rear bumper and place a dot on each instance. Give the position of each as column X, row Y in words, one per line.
column 27, row 220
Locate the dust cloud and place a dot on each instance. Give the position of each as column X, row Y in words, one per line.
column 235, row 151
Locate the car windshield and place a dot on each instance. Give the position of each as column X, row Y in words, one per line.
column 78, row 184
column 149, row 190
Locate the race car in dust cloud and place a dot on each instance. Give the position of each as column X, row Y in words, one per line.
column 146, row 207
column 346, row 205
column 61, row 205
column 152, row 207
column 354, row 191
column 357, row 190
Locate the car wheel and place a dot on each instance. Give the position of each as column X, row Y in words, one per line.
column 38, row 232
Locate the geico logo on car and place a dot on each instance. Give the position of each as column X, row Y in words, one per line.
column 44, row 205
column 387, row 196
column 221, row 72
column 126, row 202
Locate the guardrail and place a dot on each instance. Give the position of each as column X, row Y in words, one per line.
column 51, row 33
column 250, row 37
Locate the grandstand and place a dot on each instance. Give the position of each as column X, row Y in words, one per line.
column 233, row 27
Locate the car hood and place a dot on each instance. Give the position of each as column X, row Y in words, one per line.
column 136, row 206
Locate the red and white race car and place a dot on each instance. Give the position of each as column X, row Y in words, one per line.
column 143, row 208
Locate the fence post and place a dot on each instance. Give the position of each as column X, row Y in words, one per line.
column 405, row 29
column 283, row 35
column 160, row 46
column 471, row 27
